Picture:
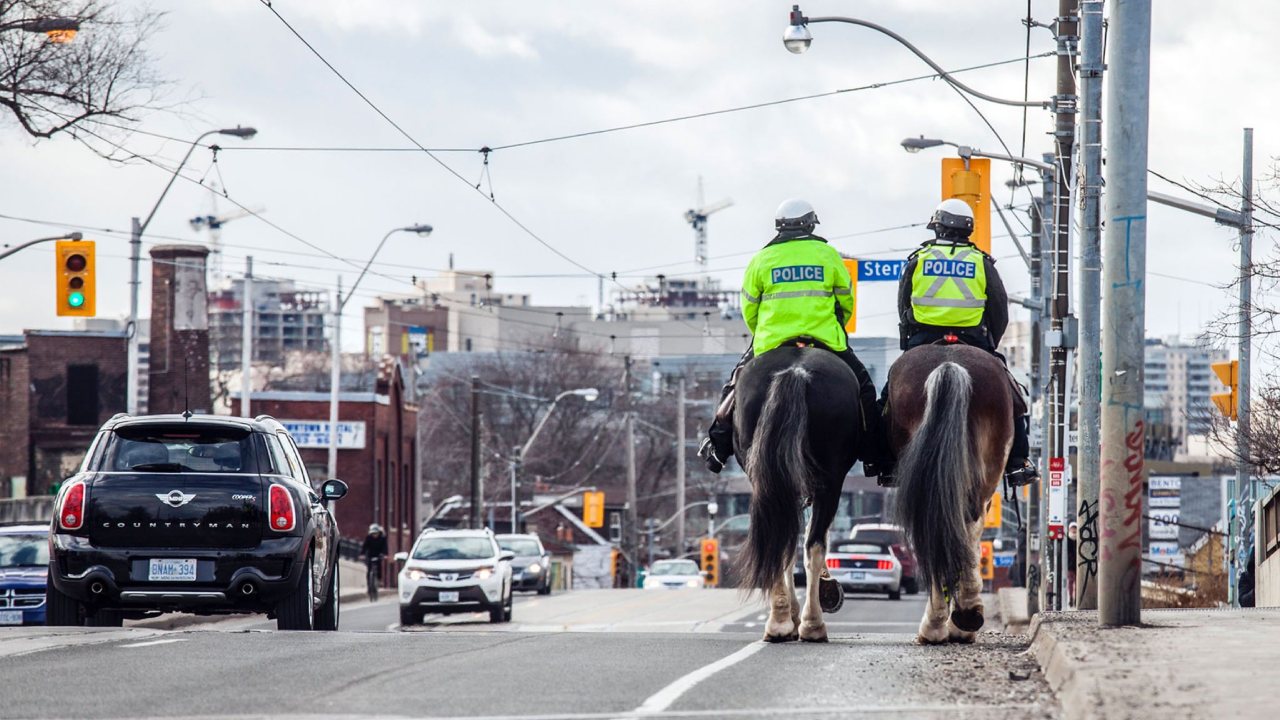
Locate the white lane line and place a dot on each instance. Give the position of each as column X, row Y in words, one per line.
column 664, row 698
column 154, row 642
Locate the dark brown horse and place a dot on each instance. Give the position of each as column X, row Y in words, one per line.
column 951, row 423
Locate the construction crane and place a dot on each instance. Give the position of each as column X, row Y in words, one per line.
column 213, row 223
column 697, row 218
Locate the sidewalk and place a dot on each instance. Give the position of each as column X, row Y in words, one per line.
column 1179, row 664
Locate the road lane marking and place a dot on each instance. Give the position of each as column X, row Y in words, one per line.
column 664, row 698
column 941, row 710
column 154, row 642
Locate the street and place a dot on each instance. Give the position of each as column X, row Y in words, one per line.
column 586, row 654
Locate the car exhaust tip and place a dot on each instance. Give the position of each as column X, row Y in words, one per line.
column 248, row 589
column 96, row 588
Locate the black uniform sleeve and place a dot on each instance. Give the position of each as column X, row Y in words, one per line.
column 904, row 292
column 997, row 310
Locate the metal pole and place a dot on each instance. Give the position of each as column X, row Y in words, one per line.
column 476, row 500
column 1244, row 484
column 246, row 339
column 515, row 491
column 632, row 531
column 135, row 258
column 1091, row 70
column 1036, row 518
column 1124, row 267
column 680, row 465
column 651, row 524
column 335, row 380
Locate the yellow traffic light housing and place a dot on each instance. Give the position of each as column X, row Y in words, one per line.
column 711, row 561
column 1227, row 402
column 994, row 517
column 593, row 509
column 986, row 561
column 614, row 557
column 969, row 179
column 74, row 275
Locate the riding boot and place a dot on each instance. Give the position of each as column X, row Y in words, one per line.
column 717, row 448
column 1019, row 470
column 874, row 450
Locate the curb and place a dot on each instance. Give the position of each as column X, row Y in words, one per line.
column 1060, row 671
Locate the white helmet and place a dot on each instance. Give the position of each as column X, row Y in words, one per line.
column 953, row 216
column 795, row 214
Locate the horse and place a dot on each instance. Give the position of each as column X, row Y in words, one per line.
column 797, row 424
column 951, row 425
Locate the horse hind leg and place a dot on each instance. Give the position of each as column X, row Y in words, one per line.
column 967, row 616
column 812, row 627
column 933, row 626
column 781, row 627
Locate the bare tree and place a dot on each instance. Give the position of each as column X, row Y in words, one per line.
column 52, row 83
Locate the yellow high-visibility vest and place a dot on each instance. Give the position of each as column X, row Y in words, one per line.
column 949, row 286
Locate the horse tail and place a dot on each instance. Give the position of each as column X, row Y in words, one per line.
column 781, row 471
column 937, row 486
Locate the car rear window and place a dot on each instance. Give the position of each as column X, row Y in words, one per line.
column 876, row 536
column 180, row 448
column 859, row 547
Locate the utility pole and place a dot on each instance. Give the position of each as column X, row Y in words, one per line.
column 1042, row 235
column 246, row 339
column 632, row 535
column 1244, row 481
column 476, row 498
column 1125, row 268
column 680, row 466
column 132, row 404
column 1091, row 69
column 335, row 381
column 517, row 458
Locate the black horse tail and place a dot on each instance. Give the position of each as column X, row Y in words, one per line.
column 936, row 486
column 783, row 472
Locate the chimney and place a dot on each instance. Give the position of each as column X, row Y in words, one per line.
column 179, row 330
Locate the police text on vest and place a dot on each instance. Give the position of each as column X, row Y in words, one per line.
column 798, row 273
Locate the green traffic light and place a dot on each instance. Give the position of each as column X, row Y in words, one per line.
column 75, row 299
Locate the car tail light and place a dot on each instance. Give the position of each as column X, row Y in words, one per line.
column 884, row 564
column 833, row 563
column 71, row 514
column 280, row 504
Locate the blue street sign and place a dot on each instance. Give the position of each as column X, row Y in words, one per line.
column 1005, row 559
column 880, row 270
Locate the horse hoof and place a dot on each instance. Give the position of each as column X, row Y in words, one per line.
column 926, row 640
column 968, row 620
column 781, row 638
column 813, row 633
column 961, row 637
column 830, row 595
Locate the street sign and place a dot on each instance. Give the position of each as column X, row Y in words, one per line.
column 315, row 434
column 1057, row 506
column 880, row 270
column 1006, row 559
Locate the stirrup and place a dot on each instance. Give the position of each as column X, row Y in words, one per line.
column 707, row 451
column 1021, row 476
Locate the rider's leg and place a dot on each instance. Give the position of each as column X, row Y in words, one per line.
column 1019, row 470
column 718, row 446
column 875, row 454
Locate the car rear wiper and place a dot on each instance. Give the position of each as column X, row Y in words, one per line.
column 160, row 467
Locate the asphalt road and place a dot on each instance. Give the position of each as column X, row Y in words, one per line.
column 578, row 655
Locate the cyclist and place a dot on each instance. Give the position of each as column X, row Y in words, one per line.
column 373, row 551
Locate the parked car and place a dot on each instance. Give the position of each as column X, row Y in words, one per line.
column 455, row 571
column 862, row 566
column 194, row 513
column 24, row 567
column 896, row 539
column 673, row 574
column 531, row 568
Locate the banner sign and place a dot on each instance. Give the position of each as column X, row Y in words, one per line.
column 315, row 434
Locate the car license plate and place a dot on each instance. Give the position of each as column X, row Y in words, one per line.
column 857, row 576
column 10, row 617
column 446, row 596
column 167, row 570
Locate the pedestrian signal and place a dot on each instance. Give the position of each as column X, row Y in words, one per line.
column 711, row 561
column 986, row 562
column 593, row 509
column 1227, row 402
column 74, row 278
column 969, row 179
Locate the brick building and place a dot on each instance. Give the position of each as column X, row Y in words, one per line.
column 376, row 450
column 56, row 389
column 179, row 369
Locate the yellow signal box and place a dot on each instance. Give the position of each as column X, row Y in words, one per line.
column 993, row 518
column 986, row 562
column 970, row 181
column 711, row 561
column 593, row 509
column 1229, row 374
column 74, row 274
column 851, row 322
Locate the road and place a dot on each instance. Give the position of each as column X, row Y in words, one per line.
column 588, row 654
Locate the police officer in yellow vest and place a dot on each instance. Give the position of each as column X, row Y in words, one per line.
column 950, row 287
column 797, row 287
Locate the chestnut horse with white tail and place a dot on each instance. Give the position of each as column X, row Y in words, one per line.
column 798, row 425
column 950, row 414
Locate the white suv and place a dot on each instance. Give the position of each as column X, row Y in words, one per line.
column 454, row 571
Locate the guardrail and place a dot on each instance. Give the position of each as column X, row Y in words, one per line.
column 24, row 510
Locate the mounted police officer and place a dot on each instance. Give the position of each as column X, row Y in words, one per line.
column 950, row 287
column 797, row 288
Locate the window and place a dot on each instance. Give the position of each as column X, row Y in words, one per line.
column 178, row 448
column 82, row 394
column 279, row 461
column 296, row 468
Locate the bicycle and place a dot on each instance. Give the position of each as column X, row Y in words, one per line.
column 372, row 575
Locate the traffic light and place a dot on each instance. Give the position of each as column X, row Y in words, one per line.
column 993, row 517
column 711, row 561
column 593, row 509
column 1229, row 374
column 969, row 179
column 614, row 557
column 986, row 562
column 74, row 278
column 851, row 322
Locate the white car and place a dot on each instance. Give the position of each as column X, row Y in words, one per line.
column 455, row 571
column 673, row 574
column 862, row 566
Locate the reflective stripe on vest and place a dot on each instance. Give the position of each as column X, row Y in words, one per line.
column 949, row 291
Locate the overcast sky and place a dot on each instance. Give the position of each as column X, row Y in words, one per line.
column 466, row 75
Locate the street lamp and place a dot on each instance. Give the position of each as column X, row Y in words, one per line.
column 587, row 394
column 135, row 258
column 335, row 354
column 58, row 29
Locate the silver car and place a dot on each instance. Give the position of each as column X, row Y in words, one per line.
column 861, row 566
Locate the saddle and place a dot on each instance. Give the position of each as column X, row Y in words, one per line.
column 1021, row 394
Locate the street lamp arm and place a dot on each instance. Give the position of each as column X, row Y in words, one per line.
column 342, row 301
column 966, row 152
column 940, row 70
column 37, row 241
column 680, row 512
column 543, row 421
column 194, row 144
